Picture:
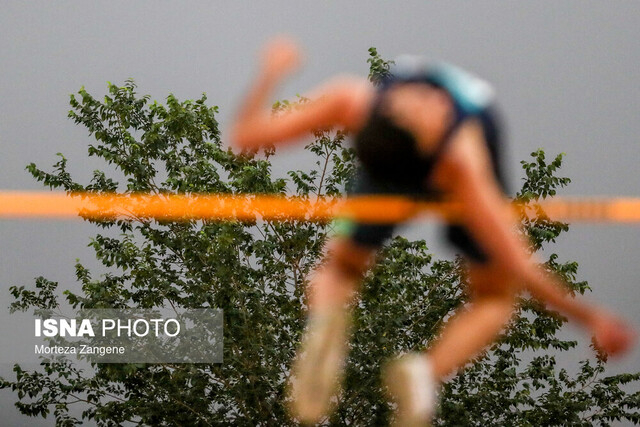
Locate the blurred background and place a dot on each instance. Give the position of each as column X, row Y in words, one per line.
column 565, row 72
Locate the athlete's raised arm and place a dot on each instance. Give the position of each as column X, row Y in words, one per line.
column 342, row 101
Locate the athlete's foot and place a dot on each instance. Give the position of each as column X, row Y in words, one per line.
column 319, row 367
column 409, row 380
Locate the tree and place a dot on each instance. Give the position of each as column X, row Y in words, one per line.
column 256, row 272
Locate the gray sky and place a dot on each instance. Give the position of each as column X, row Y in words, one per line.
column 566, row 75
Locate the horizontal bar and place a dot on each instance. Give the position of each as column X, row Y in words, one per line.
column 250, row 207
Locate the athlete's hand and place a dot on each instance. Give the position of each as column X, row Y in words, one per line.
column 611, row 334
column 280, row 56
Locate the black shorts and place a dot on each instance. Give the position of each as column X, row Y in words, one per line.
column 374, row 235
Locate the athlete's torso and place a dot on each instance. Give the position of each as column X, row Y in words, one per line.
column 389, row 152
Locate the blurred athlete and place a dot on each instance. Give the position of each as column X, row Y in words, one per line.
column 428, row 131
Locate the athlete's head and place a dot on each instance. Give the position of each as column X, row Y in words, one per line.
column 423, row 109
column 388, row 152
column 410, row 121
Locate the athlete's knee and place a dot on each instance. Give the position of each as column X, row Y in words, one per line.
column 492, row 282
column 495, row 289
column 348, row 258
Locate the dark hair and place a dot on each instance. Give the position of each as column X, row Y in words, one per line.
column 389, row 153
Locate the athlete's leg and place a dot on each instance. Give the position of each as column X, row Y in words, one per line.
column 318, row 368
column 477, row 325
column 335, row 282
column 413, row 378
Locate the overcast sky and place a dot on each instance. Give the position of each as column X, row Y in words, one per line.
column 566, row 73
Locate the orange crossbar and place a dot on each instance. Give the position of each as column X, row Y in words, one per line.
column 21, row 205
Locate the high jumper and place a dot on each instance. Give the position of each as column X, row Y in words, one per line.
column 428, row 131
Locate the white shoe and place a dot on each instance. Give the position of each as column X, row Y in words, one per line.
column 409, row 380
column 319, row 367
